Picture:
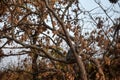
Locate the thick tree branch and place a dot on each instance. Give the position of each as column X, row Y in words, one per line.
column 47, row 55
column 96, row 62
column 79, row 61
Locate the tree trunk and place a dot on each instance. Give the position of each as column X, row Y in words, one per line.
column 34, row 58
column 34, row 66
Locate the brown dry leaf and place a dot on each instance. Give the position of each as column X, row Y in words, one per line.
column 88, row 49
column 107, row 60
column 40, row 4
column 44, row 16
column 51, row 3
column 55, row 32
column 54, row 78
column 97, row 76
column 45, row 74
column 70, row 76
column 54, row 23
column 24, row 37
column 1, row 53
column 84, row 44
column 9, row 18
column 106, row 42
column 117, row 51
column 14, row 1
column 3, row 8
column 118, row 45
column 16, row 21
column 99, row 32
column 20, row 2
column 18, row 10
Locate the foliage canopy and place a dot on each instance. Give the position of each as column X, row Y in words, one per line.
column 45, row 30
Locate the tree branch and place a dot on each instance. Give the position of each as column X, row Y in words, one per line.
column 47, row 55
column 79, row 61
